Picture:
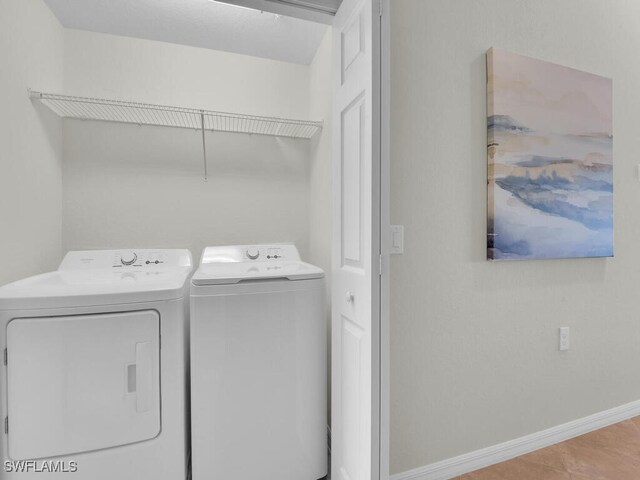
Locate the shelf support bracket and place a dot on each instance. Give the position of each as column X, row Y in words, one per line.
column 204, row 146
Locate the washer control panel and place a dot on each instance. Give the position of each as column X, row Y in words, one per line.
column 270, row 253
column 264, row 253
column 250, row 253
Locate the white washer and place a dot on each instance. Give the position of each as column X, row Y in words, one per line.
column 95, row 367
column 258, row 365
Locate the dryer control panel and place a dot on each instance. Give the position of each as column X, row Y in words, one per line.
column 138, row 258
column 251, row 253
column 123, row 259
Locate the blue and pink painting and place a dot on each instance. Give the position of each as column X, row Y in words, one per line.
column 550, row 160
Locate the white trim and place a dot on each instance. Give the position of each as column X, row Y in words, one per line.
column 485, row 457
column 289, row 9
column 385, row 221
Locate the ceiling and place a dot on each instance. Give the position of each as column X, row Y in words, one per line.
column 198, row 23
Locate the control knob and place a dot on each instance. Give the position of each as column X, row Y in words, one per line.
column 253, row 253
column 129, row 258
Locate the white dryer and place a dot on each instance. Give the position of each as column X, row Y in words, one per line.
column 258, row 365
column 95, row 361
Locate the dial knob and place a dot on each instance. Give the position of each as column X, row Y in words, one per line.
column 253, row 253
column 129, row 258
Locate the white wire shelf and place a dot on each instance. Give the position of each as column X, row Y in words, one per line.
column 85, row 108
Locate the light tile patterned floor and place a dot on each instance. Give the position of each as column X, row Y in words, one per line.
column 611, row 453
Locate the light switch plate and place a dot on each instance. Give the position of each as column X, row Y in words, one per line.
column 397, row 240
column 564, row 339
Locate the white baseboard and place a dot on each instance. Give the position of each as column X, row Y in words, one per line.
column 485, row 457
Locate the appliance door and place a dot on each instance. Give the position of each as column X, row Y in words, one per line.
column 258, row 381
column 82, row 383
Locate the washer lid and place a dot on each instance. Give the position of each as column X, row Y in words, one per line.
column 228, row 273
column 243, row 263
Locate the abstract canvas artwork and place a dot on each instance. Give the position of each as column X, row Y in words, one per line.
column 550, row 160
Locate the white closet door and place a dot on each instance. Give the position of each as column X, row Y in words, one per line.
column 356, row 246
column 82, row 383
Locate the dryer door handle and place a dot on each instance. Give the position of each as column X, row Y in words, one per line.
column 144, row 376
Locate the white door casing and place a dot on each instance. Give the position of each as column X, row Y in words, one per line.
column 356, row 242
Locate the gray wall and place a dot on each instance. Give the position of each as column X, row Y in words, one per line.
column 31, row 47
column 142, row 186
column 127, row 186
column 474, row 355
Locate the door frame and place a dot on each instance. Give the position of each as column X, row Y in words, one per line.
column 383, row 297
column 385, row 238
column 381, row 227
column 381, row 239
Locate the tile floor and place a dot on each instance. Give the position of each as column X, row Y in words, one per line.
column 611, row 453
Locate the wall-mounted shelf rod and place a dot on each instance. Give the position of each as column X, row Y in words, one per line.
column 204, row 147
column 86, row 108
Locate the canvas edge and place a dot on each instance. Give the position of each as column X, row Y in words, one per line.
column 490, row 198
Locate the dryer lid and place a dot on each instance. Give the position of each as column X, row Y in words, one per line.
column 103, row 277
column 243, row 263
